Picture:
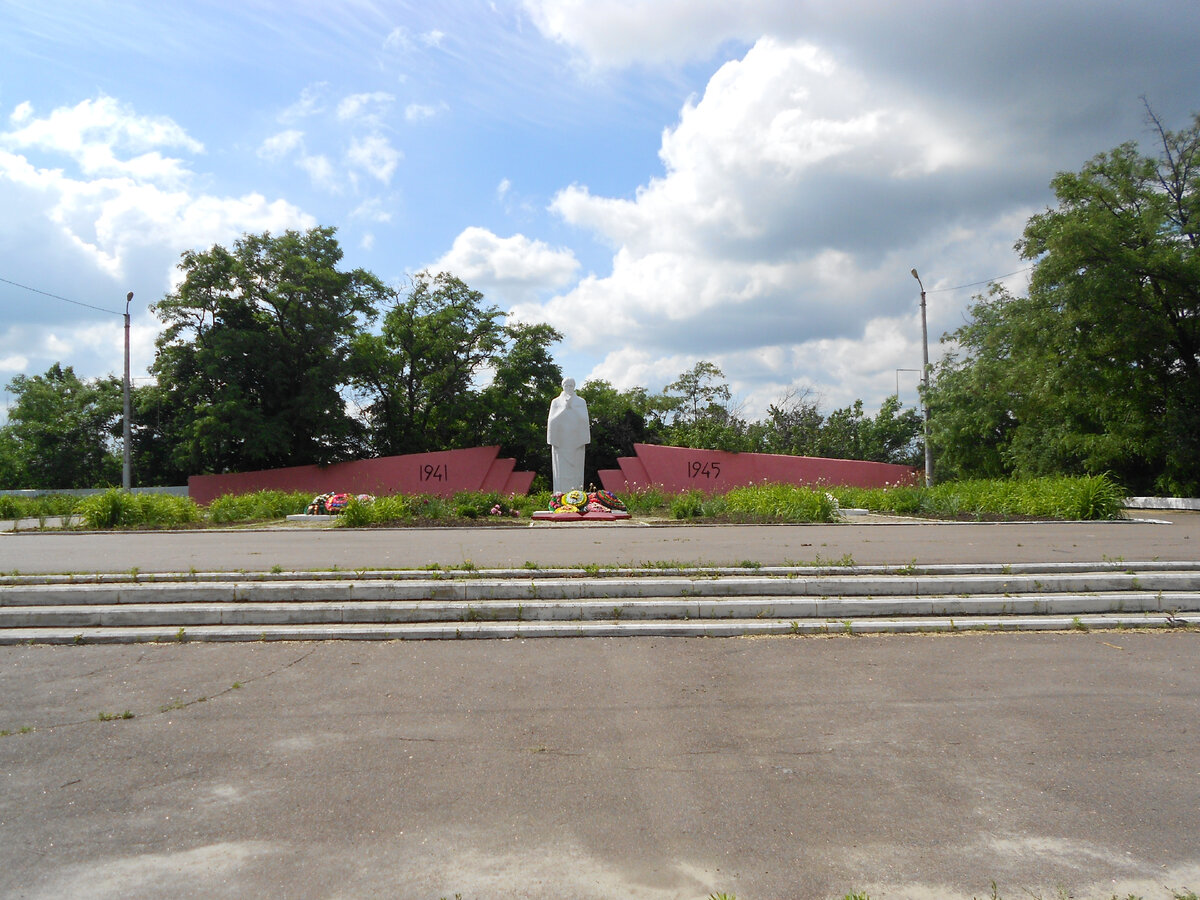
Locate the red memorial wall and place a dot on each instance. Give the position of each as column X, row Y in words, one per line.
column 679, row 469
column 442, row 473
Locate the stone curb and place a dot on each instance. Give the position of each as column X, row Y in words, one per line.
column 194, row 614
column 522, row 631
column 579, row 589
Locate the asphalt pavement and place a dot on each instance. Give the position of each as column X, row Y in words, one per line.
column 914, row 766
column 904, row 767
column 1164, row 536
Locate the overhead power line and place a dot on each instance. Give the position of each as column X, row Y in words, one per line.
column 64, row 299
column 977, row 283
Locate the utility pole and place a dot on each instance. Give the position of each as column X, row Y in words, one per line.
column 925, row 383
column 127, row 468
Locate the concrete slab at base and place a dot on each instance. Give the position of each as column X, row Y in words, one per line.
column 566, row 518
column 1162, row 503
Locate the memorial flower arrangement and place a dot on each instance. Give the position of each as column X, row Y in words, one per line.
column 579, row 501
column 333, row 503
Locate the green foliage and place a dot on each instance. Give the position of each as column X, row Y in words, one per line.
column 60, row 432
column 417, row 376
column 525, row 380
column 1098, row 369
column 645, row 501
column 255, row 352
column 257, row 505
column 116, row 508
column 13, row 507
column 1086, row 497
column 780, row 503
column 688, row 505
column 619, row 419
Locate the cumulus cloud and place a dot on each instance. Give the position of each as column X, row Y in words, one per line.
column 113, row 213
column 280, row 145
column 776, row 240
column 619, row 32
column 104, row 137
column 374, row 155
column 511, row 269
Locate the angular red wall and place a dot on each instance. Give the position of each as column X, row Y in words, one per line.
column 678, row 469
column 442, row 473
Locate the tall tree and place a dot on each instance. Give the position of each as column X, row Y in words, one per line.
column 1099, row 368
column 418, row 376
column 61, row 430
column 255, row 353
column 619, row 420
column 702, row 415
column 514, row 405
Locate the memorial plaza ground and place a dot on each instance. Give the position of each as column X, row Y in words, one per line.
column 903, row 766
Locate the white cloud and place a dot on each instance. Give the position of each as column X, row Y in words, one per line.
column 514, row 268
column 374, row 155
column 619, row 32
column 321, row 171
column 311, row 103
column 364, row 107
column 14, row 363
column 759, row 247
column 131, row 206
column 416, row 112
column 372, row 210
column 433, row 38
column 398, row 40
column 280, row 145
column 97, row 133
column 21, row 113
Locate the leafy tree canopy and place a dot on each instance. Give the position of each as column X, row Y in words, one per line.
column 60, row 432
column 256, row 352
column 1098, row 369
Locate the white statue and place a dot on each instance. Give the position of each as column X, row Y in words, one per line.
column 567, row 433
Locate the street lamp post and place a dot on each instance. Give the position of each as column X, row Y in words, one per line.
column 925, row 382
column 127, row 468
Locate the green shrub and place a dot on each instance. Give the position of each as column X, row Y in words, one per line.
column 117, row 508
column 646, row 501
column 780, row 503
column 688, row 505
column 257, row 505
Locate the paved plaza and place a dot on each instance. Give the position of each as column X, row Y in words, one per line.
column 915, row 766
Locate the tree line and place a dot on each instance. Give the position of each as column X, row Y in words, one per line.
column 271, row 355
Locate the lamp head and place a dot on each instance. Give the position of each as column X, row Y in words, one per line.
column 915, row 275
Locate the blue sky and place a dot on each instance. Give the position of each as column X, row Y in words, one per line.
column 663, row 180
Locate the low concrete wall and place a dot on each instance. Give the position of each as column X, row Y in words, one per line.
column 681, row 468
column 177, row 491
column 443, row 474
column 1162, row 503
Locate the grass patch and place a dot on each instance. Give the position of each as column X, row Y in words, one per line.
column 116, row 508
column 1078, row 498
column 257, row 505
column 1089, row 497
column 40, row 507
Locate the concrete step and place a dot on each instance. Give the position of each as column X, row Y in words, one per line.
column 581, row 588
column 762, row 607
column 387, row 606
column 529, row 630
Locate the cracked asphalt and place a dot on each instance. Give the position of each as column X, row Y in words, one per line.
column 913, row 766
column 908, row 767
